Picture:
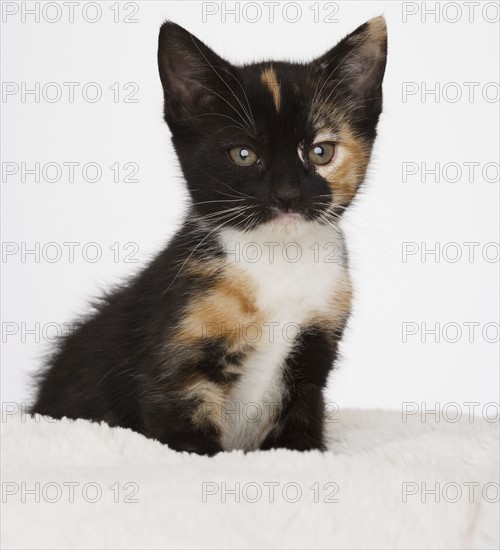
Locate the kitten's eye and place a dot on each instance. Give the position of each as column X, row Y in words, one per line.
column 243, row 156
column 321, row 153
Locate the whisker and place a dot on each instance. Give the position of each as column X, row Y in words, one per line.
column 244, row 93
column 220, row 200
column 234, row 190
column 220, row 226
column 227, row 85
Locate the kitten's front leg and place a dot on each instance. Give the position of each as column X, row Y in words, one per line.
column 188, row 419
column 300, row 424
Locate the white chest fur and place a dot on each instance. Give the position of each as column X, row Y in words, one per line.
column 294, row 269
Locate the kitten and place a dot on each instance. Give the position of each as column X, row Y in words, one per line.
column 225, row 341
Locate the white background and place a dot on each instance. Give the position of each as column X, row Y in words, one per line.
column 378, row 369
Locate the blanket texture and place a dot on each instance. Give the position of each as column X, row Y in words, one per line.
column 384, row 483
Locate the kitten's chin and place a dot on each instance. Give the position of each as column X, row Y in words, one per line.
column 286, row 219
column 287, row 222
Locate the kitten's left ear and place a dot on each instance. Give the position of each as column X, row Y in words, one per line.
column 358, row 61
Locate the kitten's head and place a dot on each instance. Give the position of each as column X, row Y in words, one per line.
column 273, row 142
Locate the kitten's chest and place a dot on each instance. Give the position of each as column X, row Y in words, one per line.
column 292, row 276
column 291, row 287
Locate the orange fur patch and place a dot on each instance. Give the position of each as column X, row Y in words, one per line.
column 224, row 311
column 268, row 78
column 345, row 177
column 339, row 305
column 211, row 397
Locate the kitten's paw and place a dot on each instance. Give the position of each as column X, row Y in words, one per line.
column 293, row 443
column 200, row 446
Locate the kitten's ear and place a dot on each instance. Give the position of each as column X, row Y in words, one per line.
column 190, row 73
column 358, row 61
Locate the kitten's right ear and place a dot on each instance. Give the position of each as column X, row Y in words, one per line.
column 190, row 73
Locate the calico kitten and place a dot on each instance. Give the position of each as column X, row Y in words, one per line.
column 225, row 341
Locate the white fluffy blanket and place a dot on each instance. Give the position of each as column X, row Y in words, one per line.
column 384, row 484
